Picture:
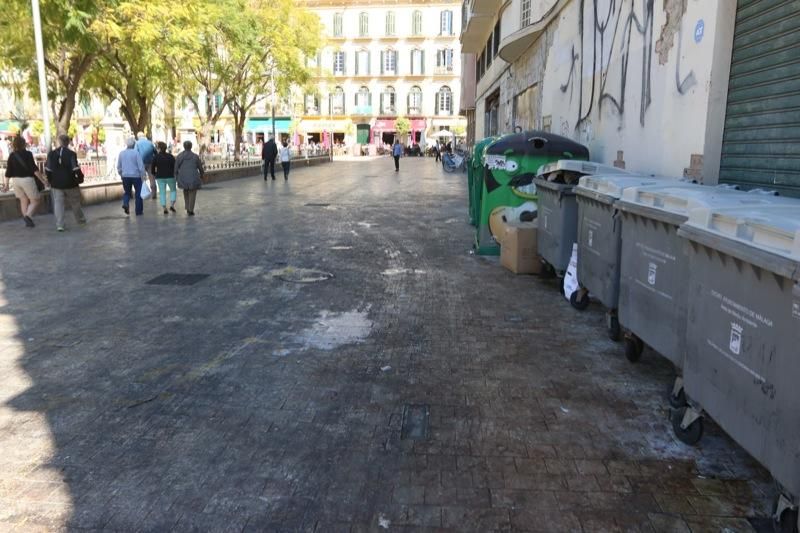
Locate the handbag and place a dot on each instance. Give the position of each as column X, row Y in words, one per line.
column 39, row 183
column 146, row 192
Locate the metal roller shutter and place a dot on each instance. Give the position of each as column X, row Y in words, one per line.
column 761, row 145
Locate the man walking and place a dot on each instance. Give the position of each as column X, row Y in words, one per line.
column 147, row 150
column 268, row 153
column 397, row 151
column 65, row 177
column 131, row 169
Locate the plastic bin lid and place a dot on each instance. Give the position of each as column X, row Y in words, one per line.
column 580, row 167
column 614, row 185
column 679, row 199
column 770, row 228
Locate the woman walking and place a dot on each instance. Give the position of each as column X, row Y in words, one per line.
column 189, row 173
column 163, row 168
column 21, row 168
column 286, row 159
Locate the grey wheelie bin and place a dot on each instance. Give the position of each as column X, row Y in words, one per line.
column 742, row 362
column 599, row 233
column 558, row 209
column 653, row 290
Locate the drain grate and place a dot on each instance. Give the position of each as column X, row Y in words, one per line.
column 317, row 205
column 171, row 278
column 415, row 422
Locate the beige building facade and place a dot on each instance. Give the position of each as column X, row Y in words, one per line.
column 381, row 61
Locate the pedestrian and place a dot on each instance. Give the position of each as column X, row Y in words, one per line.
column 22, row 173
column 397, row 151
column 163, row 168
column 436, row 153
column 65, row 176
column 268, row 153
column 286, row 159
column 131, row 169
column 147, row 150
column 189, row 172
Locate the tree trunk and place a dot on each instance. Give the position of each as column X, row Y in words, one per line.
column 238, row 127
column 65, row 111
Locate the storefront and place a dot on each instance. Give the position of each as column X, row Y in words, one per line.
column 257, row 129
column 418, row 126
column 384, row 131
column 324, row 131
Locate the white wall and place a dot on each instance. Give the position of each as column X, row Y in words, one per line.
column 657, row 110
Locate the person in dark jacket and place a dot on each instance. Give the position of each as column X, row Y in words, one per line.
column 268, row 153
column 189, row 173
column 22, row 171
column 163, row 168
column 65, row 176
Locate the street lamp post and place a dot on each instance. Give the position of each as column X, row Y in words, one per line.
column 37, row 32
column 272, row 83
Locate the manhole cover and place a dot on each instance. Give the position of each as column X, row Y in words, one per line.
column 415, row 422
column 177, row 279
column 302, row 275
column 317, row 205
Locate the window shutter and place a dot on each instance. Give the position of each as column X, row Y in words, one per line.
column 344, row 104
column 422, row 61
column 358, row 63
column 436, row 105
column 369, row 63
column 382, row 54
column 344, row 63
column 355, row 100
column 381, row 110
column 369, row 98
column 408, row 104
column 396, row 62
column 411, row 62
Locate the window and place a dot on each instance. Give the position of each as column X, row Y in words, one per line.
column 337, row 24
column 390, row 23
column 389, row 62
column 312, row 104
column 526, row 12
column 444, row 60
column 488, row 52
column 492, row 114
column 496, row 47
column 363, row 101
column 416, row 23
column 338, row 63
column 444, row 101
column 446, row 23
column 363, row 62
column 415, row 101
column 417, row 61
column 337, row 101
column 363, row 24
column 388, row 101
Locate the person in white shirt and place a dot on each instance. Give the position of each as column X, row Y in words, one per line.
column 286, row 156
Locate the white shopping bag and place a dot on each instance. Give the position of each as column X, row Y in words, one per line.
column 571, row 276
column 146, row 192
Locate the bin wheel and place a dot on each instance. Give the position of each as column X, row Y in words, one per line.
column 633, row 348
column 614, row 329
column 677, row 401
column 581, row 304
column 786, row 522
column 692, row 434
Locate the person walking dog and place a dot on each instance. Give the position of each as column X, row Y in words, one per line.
column 268, row 153
column 163, row 168
column 397, row 151
column 131, row 169
column 22, row 173
column 286, row 159
column 189, row 172
column 65, row 176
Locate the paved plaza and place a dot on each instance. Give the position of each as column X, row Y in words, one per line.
column 340, row 362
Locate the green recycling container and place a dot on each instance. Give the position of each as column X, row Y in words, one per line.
column 475, row 178
column 511, row 162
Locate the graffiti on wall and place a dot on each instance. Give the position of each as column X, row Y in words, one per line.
column 616, row 49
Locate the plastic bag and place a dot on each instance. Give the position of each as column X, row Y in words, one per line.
column 571, row 275
column 146, row 192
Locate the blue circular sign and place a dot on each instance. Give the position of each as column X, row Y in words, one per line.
column 699, row 31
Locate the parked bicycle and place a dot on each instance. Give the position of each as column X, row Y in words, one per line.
column 454, row 161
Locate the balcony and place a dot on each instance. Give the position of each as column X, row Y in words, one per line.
column 514, row 45
column 478, row 18
column 443, row 71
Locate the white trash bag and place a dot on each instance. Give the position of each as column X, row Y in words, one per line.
column 146, row 192
column 571, row 275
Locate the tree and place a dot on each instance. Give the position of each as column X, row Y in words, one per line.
column 70, row 48
column 271, row 54
column 402, row 126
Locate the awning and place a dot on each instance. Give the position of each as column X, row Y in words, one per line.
column 418, row 124
column 264, row 125
column 385, row 124
column 333, row 125
column 7, row 125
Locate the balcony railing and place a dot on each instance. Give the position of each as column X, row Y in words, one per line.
column 443, row 70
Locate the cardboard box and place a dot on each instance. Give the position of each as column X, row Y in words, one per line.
column 519, row 248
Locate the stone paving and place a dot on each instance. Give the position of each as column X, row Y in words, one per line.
column 270, row 397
